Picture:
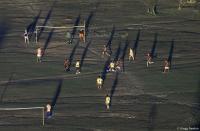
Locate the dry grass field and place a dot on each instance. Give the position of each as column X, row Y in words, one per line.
column 143, row 99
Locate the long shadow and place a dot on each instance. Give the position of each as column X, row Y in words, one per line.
column 152, row 117
column 171, row 51
column 6, row 86
column 105, row 68
column 3, row 31
column 109, row 43
column 135, row 46
column 29, row 82
column 117, row 53
column 113, row 88
column 72, row 53
column 89, row 19
column 153, row 48
column 46, row 19
column 124, row 53
column 31, row 27
column 76, row 23
column 84, row 54
column 56, row 95
column 48, row 40
column 196, row 109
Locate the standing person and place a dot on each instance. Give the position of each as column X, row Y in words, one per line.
column 26, row 38
column 166, row 66
column 104, row 50
column 77, row 67
column 81, row 35
column 68, row 36
column 67, row 65
column 131, row 54
column 107, row 102
column 112, row 66
column 48, row 111
column 99, row 82
column 149, row 59
column 39, row 54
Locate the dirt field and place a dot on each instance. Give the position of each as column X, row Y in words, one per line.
column 143, row 99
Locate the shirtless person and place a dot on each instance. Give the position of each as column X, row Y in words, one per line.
column 166, row 66
column 149, row 59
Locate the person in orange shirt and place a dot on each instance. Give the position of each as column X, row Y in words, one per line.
column 81, row 35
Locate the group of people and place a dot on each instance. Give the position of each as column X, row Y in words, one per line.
column 149, row 60
column 113, row 66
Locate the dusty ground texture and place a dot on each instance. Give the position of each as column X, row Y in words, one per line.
column 144, row 99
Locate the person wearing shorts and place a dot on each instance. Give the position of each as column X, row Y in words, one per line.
column 99, row 82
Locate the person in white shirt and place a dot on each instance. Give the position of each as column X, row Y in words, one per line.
column 131, row 54
column 77, row 67
column 48, row 111
column 39, row 54
column 26, row 38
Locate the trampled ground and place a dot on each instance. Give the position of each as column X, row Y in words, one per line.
column 144, row 99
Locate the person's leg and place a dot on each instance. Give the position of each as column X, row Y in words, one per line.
column 27, row 40
column 108, row 107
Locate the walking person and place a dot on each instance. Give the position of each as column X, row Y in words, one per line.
column 105, row 51
column 149, row 59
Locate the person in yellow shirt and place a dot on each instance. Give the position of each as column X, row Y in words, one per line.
column 99, row 82
column 77, row 67
column 107, row 102
column 81, row 35
column 112, row 66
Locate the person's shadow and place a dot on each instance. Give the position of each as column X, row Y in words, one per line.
column 46, row 20
column 84, row 54
column 171, row 51
column 135, row 46
column 56, row 95
column 113, row 88
column 152, row 117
